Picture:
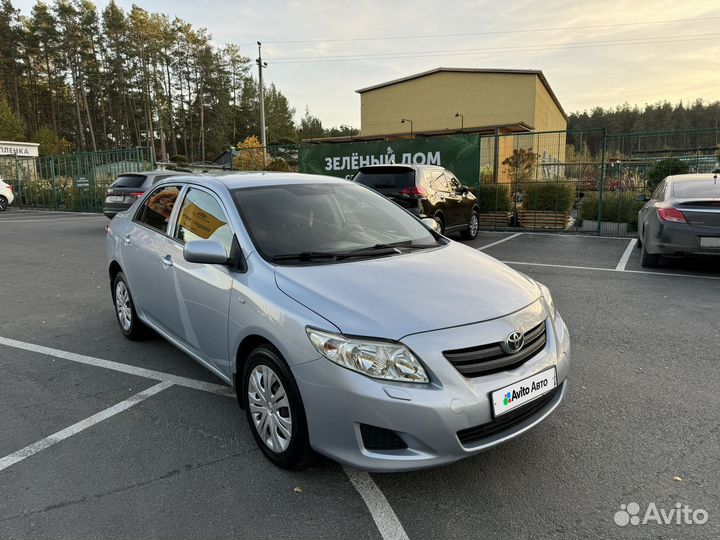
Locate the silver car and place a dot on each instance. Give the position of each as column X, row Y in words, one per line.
column 346, row 325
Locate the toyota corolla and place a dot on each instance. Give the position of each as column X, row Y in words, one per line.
column 346, row 325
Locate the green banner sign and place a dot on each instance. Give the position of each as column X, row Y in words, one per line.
column 460, row 154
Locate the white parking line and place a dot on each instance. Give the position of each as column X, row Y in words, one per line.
column 626, row 255
column 382, row 513
column 63, row 434
column 124, row 368
column 379, row 507
column 491, row 244
column 595, row 268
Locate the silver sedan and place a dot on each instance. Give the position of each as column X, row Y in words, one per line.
column 346, row 325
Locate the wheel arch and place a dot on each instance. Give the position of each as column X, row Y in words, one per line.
column 246, row 346
column 113, row 270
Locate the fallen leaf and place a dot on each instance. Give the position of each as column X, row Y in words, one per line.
column 677, row 478
column 297, row 489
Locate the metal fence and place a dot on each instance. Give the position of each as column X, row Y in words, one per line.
column 73, row 182
column 560, row 180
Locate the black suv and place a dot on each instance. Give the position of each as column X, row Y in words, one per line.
column 125, row 190
column 426, row 191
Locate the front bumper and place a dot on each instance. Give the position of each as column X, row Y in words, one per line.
column 426, row 417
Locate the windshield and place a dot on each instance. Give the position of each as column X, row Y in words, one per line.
column 129, row 181
column 697, row 189
column 386, row 178
column 327, row 222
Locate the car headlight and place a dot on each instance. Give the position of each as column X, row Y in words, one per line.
column 377, row 359
column 548, row 300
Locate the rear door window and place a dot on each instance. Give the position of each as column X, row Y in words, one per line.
column 157, row 208
column 129, row 181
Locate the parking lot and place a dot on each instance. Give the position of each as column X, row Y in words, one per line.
column 103, row 437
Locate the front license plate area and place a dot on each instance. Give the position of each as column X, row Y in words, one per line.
column 521, row 392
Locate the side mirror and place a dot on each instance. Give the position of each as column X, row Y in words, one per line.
column 642, row 198
column 205, row 252
column 461, row 190
column 430, row 223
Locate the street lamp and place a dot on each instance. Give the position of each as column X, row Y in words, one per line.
column 462, row 120
column 403, row 120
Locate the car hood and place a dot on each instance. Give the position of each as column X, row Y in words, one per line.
column 423, row 290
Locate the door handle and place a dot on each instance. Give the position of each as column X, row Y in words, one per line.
column 167, row 260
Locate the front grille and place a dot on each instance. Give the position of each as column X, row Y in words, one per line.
column 377, row 438
column 507, row 420
column 491, row 358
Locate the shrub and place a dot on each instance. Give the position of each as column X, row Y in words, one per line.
column 277, row 164
column 664, row 168
column 618, row 207
column 549, row 196
column 178, row 158
column 487, row 174
column 493, row 197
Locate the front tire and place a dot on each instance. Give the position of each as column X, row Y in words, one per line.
column 274, row 409
column 130, row 325
column 473, row 227
column 3, row 203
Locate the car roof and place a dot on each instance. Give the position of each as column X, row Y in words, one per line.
column 236, row 180
column 150, row 174
column 400, row 166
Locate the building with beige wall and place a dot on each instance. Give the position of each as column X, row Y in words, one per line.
column 509, row 108
column 511, row 100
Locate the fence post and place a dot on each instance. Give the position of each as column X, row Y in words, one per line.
column 52, row 173
column 17, row 175
column 602, row 180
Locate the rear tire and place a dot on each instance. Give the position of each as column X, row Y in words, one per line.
column 473, row 227
column 3, row 203
column 648, row 260
column 274, row 409
column 130, row 325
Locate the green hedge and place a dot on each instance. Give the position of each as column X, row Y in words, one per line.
column 548, row 196
column 493, row 197
column 617, row 207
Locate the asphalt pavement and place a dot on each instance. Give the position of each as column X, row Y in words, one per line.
column 639, row 423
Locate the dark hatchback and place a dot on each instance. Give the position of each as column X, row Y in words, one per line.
column 681, row 217
column 428, row 192
column 126, row 189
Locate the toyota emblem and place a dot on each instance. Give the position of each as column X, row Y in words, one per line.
column 514, row 342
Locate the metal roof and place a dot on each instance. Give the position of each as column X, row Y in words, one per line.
column 535, row 72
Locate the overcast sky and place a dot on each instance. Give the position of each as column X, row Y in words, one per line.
column 641, row 63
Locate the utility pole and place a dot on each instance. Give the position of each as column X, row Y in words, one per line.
column 261, row 93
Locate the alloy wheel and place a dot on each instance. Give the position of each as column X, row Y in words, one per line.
column 122, row 306
column 3, row 204
column 474, row 224
column 270, row 408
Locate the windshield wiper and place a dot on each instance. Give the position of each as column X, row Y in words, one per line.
column 392, row 246
column 306, row 256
